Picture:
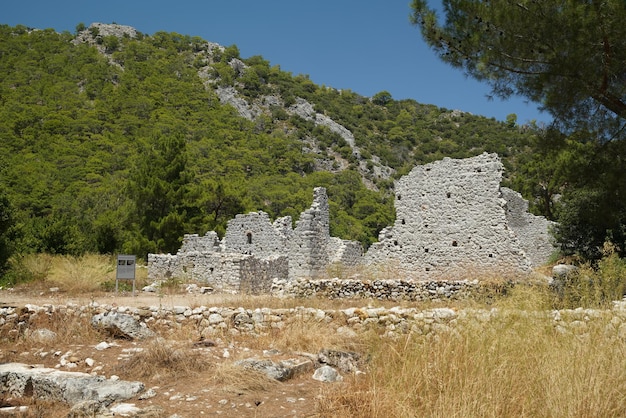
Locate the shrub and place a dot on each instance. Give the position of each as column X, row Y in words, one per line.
column 594, row 287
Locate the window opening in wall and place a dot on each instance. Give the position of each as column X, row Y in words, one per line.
column 454, row 243
column 448, row 195
column 395, row 243
column 425, row 250
column 427, row 268
column 490, row 255
column 403, row 222
column 249, row 237
column 399, row 197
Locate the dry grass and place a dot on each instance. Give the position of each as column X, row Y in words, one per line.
column 302, row 334
column 81, row 274
column 86, row 274
column 67, row 330
column 37, row 408
column 239, row 380
column 164, row 359
column 515, row 366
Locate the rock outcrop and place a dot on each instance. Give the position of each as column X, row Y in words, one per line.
column 21, row 380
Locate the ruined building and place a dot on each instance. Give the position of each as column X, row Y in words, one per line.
column 255, row 250
column 452, row 220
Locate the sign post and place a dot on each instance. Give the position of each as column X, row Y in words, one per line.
column 125, row 269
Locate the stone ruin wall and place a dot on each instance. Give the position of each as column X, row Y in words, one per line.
column 255, row 251
column 533, row 232
column 453, row 220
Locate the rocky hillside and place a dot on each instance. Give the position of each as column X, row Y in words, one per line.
column 114, row 140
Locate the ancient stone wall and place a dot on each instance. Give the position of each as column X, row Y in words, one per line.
column 450, row 222
column 396, row 290
column 390, row 322
column 258, row 274
column 254, row 251
column 255, row 234
column 344, row 252
column 224, row 272
column 533, row 232
column 453, row 221
column 308, row 249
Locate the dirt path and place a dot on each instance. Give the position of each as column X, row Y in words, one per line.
column 140, row 299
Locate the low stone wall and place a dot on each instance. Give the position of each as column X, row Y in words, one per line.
column 378, row 289
column 390, row 322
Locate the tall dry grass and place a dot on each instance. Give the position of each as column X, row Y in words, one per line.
column 74, row 275
column 517, row 365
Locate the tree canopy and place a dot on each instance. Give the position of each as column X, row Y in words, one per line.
column 567, row 55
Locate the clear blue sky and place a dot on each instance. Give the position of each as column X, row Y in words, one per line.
column 363, row 45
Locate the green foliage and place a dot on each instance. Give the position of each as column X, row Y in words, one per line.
column 158, row 186
column 382, row 98
column 6, row 231
column 128, row 156
column 25, row 268
column 567, row 56
column 595, row 287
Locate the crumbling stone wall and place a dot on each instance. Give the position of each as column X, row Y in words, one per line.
column 257, row 274
column 344, row 252
column 532, row 232
column 451, row 221
column 254, row 251
column 308, row 249
column 255, row 234
column 224, row 272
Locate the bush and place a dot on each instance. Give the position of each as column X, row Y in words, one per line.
column 597, row 287
column 25, row 268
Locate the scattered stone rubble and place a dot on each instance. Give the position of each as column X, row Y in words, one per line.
column 121, row 325
column 453, row 220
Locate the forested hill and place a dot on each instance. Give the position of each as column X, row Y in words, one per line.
column 113, row 140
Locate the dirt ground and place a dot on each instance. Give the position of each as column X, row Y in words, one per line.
column 194, row 396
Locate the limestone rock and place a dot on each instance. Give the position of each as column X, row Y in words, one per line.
column 561, row 271
column 21, row 380
column 345, row 361
column 121, row 325
column 281, row 371
column 43, row 335
column 327, row 374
